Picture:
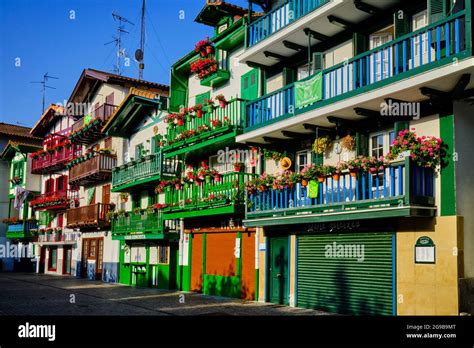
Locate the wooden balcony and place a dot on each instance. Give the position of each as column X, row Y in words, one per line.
column 89, row 216
column 226, row 196
column 215, row 126
column 142, row 172
column 147, row 225
column 88, row 129
column 447, row 41
column 51, row 162
column 21, row 230
column 56, row 238
column 94, row 169
column 57, row 200
column 401, row 190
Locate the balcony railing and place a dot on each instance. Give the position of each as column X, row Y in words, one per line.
column 138, row 224
column 228, row 191
column 21, row 229
column 56, row 237
column 400, row 185
column 96, row 168
column 442, row 43
column 51, row 162
column 210, row 125
column 143, row 170
column 88, row 128
column 90, row 216
column 56, row 200
column 279, row 18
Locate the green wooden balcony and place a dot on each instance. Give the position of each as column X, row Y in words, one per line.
column 21, row 230
column 214, row 128
column 142, row 172
column 145, row 225
column 226, row 196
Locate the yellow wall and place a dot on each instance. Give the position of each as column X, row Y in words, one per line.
column 429, row 289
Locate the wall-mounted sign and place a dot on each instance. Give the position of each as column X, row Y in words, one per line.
column 237, row 248
column 425, row 250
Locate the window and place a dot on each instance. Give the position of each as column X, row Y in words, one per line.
column 92, row 248
column 302, row 159
column 222, row 27
column 139, row 151
column 420, row 20
column 163, row 253
column 303, row 72
column 379, row 146
column 381, row 61
column 53, row 258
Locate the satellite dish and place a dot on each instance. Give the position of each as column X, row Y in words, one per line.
column 139, row 55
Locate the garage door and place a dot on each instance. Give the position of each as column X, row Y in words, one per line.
column 346, row 273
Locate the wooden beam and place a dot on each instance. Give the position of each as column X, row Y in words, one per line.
column 271, row 140
column 296, row 135
column 313, row 127
column 366, row 112
column 315, row 35
column 431, row 92
column 293, row 46
column 256, row 65
column 274, row 55
column 341, row 122
column 340, row 22
column 361, row 6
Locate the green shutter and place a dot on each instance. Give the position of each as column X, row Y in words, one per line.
column 399, row 126
column 178, row 92
column 342, row 284
column 249, row 85
column 361, row 43
column 317, row 158
column 437, row 10
column 401, row 21
column 202, row 98
column 317, row 62
column 289, row 76
column 362, row 144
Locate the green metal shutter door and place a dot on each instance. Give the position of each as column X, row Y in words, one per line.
column 346, row 286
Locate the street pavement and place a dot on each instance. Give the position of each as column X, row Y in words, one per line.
column 39, row 294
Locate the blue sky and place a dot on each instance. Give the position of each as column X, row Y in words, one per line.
column 45, row 39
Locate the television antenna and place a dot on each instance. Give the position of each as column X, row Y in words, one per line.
column 118, row 40
column 44, row 86
column 140, row 53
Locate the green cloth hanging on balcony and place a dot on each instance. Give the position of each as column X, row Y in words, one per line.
column 309, row 91
column 313, row 189
column 90, row 195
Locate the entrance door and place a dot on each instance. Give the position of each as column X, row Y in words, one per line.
column 42, row 260
column 100, row 257
column 278, row 270
column 85, row 254
column 67, row 257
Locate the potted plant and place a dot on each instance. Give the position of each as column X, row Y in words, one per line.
column 322, row 145
column 210, row 106
column 198, row 110
column 124, row 197
column 237, row 166
column 373, row 165
column 348, row 142
column 222, row 101
column 355, row 165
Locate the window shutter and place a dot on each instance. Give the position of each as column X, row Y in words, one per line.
column 402, row 23
column 318, row 62
column 437, row 10
column 362, row 144
column 289, row 75
column 361, row 43
column 399, row 126
column 57, row 183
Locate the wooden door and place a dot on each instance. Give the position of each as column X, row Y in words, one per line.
column 85, row 255
column 100, row 258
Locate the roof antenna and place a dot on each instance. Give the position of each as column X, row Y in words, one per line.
column 44, row 86
column 139, row 53
column 118, row 40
